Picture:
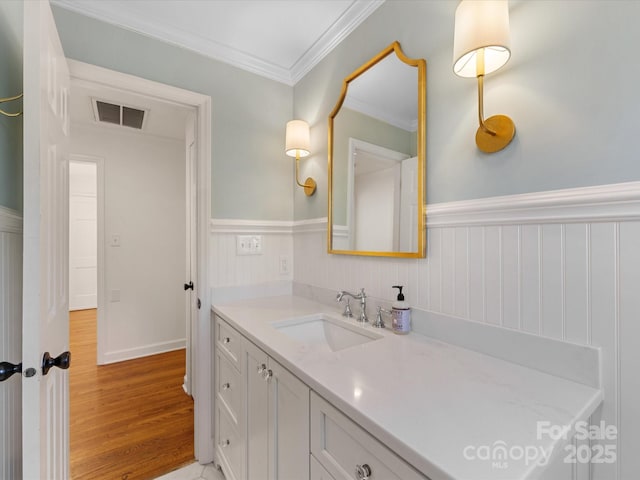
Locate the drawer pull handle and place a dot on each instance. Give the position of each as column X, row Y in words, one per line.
column 262, row 368
column 267, row 375
column 363, row 472
column 226, row 340
column 225, row 443
column 226, row 386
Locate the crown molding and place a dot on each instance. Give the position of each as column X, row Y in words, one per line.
column 348, row 22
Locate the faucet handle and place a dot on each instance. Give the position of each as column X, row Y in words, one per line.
column 379, row 323
column 347, row 309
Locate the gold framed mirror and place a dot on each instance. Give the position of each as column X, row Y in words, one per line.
column 377, row 168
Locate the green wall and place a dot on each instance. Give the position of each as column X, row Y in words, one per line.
column 570, row 86
column 10, row 85
column 251, row 176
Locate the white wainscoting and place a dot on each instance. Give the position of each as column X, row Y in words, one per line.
column 233, row 276
column 11, row 342
column 562, row 264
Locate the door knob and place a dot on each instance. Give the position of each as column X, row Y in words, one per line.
column 7, row 369
column 62, row 361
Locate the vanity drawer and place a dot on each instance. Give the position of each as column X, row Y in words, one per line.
column 229, row 341
column 230, row 447
column 341, row 447
column 229, row 387
column 318, row 472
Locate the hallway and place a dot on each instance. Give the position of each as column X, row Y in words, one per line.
column 128, row 420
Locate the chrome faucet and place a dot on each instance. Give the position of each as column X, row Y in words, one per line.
column 362, row 318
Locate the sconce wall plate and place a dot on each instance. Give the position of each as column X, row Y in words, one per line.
column 503, row 130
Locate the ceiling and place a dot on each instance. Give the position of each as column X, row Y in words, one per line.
column 278, row 39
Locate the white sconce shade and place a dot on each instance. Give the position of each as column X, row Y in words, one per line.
column 481, row 27
column 297, row 143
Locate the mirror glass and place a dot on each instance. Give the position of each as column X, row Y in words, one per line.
column 377, row 159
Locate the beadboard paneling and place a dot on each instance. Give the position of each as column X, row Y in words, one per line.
column 568, row 270
column 227, row 269
column 11, row 343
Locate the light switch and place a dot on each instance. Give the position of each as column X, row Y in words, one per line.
column 249, row 245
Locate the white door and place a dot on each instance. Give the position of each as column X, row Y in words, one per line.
column 83, row 235
column 45, row 326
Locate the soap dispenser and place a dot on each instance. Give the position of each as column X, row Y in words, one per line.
column 400, row 314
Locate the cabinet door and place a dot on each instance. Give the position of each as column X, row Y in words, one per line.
column 257, row 394
column 289, row 423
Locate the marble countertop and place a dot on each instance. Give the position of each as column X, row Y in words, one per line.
column 450, row 412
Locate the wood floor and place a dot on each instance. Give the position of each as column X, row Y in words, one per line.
column 129, row 420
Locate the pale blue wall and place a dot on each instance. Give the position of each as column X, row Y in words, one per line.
column 251, row 176
column 10, row 85
column 571, row 87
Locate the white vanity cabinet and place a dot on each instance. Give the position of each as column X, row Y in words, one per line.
column 271, row 426
column 268, row 438
column 344, row 451
column 229, row 385
column 277, row 419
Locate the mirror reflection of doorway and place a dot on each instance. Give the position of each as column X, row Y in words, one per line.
column 381, row 209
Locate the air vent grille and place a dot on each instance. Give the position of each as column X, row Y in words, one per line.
column 119, row 114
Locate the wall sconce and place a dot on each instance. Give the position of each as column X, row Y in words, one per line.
column 481, row 46
column 10, row 99
column 297, row 145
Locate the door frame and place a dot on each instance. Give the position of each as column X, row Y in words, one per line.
column 201, row 378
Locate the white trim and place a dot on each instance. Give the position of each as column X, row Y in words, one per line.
column 310, row 226
column 233, row 225
column 603, row 203
column 202, row 388
column 223, row 225
column 349, row 21
column 145, row 351
column 10, row 220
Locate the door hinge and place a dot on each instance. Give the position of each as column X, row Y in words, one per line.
column 188, row 286
column 199, row 304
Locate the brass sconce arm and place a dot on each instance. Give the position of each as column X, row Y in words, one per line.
column 309, row 184
column 10, row 99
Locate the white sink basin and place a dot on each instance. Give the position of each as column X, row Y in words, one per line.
column 324, row 332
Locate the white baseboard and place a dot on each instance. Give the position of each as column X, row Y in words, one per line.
column 143, row 351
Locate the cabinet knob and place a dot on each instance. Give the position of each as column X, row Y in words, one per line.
column 226, row 386
column 267, row 375
column 261, row 368
column 226, row 340
column 363, row 472
column 225, row 443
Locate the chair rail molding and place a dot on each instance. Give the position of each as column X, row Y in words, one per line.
column 602, row 203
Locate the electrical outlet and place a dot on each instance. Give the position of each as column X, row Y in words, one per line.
column 249, row 245
column 284, row 265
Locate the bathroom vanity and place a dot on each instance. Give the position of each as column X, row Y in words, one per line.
column 303, row 393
